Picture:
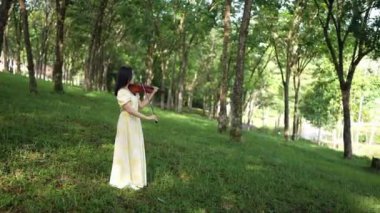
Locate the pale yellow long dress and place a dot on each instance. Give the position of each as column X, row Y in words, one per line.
column 129, row 165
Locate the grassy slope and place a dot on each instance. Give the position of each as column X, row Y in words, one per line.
column 56, row 155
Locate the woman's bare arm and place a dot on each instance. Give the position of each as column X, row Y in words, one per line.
column 128, row 107
column 146, row 101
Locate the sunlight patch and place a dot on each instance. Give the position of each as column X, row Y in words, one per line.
column 369, row 204
column 185, row 176
column 228, row 201
column 108, row 146
column 254, row 167
column 92, row 94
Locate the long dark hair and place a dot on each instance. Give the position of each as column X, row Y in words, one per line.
column 124, row 76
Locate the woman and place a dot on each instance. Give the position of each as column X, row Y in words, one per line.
column 129, row 166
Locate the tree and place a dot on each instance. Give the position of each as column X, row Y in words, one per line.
column 237, row 95
column 4, row 13
column 94, row 60
column 42, row 53
column 195, row 20
column 320, row 103
column 350, row 33
column 28, row 47
column 60, row 6
column 288, row 43
column 16, row 23
column 222, row 119
column 309, row 48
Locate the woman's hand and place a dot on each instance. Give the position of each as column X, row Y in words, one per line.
column 152, row 118
column 155, row 89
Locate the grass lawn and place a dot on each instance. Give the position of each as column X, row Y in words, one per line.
column 56, row 155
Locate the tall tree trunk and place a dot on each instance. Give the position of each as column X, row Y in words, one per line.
column 235, row 132
column 297, row 84
column 44, row 42
column 169, row 103
column 149, row 63
column 105, row 74
column 95, row 47
column 100, row 68
column 28, row 47
column 18, row 29
column 182, row 79
column 286, row 110
column 191, row 91
column 185, row 46
column 5, row 51
column 291, row 59
column 60, row 6
column 223, row 119
column 4, row 13
column 210, row 105
column 44, row 67
column 250, row 107
column 347, row 123
column 216, row 100
column 182, row 74
column 204, row 105
column 319, row 135
column 164, row 67
column 291, row 51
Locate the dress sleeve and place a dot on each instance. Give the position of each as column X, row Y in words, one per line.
column 123, row 97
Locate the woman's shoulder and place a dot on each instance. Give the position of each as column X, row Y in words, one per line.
column 123, row 91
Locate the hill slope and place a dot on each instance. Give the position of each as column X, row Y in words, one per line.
column 56, row 155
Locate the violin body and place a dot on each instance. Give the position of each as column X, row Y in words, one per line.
column 140, row 88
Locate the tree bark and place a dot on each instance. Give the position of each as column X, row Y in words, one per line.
column 95, row 48
column 57, row 71
column 204, row 105
column 235, row 131
column 286, row 110
column 28, row 47
column 169, row 103
column 191, row 91
column 319, row 135
column 291, row 59
column 183, row 68
column 216, row 100
column 210, row 106
column 297, row 84
column 149, row 63
column 4, row 13
column 347, row 123
column 44, row 42
column 223, row 119
column 164, row 67
column 18, row 29
column 182, row 78
column 5, row 51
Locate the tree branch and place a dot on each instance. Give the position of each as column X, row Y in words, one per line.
column 278, row 60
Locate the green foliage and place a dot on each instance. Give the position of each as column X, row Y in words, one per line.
column 321, row 103
column 56, row 156
column 365, row 89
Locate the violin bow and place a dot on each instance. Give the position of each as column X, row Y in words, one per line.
column 150, row 104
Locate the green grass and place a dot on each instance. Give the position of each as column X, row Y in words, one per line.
column 56, row 156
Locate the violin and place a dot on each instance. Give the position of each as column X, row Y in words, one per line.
column 140, row 88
